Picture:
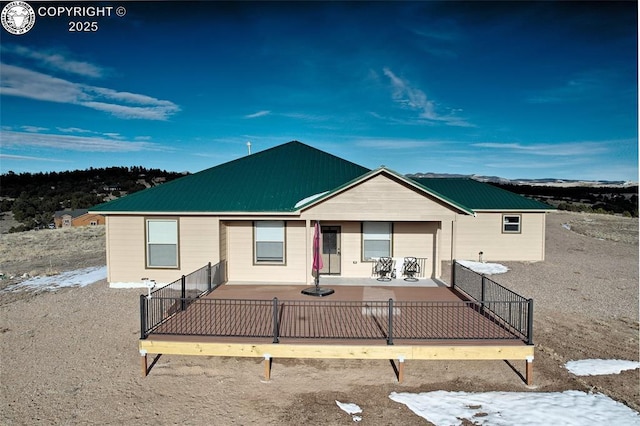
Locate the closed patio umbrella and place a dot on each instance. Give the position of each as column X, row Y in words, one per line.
column 317, row 265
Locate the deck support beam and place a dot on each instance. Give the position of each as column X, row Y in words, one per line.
column 144, row 365
column 529, row 371
column 400, row 369
column 267, row 367
column 354, row 351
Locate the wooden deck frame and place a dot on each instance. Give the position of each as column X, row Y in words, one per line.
column 399, row 353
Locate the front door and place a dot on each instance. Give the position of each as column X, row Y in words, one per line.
column 330, row 250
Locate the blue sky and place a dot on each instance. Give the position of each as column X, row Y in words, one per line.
column 512, row 89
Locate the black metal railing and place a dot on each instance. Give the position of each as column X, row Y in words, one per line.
column 370, row 320
column 515, row 310
column 186, row 289
column 492, row 313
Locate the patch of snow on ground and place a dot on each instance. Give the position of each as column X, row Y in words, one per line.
column 518, row 408
column 484, row 268
column 76, row 278
column 350, row 408
column 596, row 367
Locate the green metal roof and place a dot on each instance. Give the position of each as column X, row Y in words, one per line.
column 480, row 196
column 273, row 180
column 288, row 177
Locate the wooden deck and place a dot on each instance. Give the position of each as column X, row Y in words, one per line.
column 339, row 337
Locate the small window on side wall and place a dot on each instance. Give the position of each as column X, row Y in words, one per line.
column 269, row 241
column 162, row 243
column 511, row 224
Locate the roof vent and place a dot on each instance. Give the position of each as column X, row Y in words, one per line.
column 249, row 147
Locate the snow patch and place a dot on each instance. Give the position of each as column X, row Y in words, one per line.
column 76, row 278
column 517, row 408
column 351, row 409
column 596, row 367
column 484, row 268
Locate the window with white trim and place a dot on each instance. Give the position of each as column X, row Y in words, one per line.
column 511, row 224
column 162, row 243
column 269, row 241
column 376, row 240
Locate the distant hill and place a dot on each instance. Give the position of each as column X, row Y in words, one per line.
column 533, row 182
column 33, row 198
column 611, row 197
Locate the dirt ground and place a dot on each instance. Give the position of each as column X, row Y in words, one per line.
column 70, row 357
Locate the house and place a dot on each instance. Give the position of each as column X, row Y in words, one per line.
column 79, row 217
column 257, row 214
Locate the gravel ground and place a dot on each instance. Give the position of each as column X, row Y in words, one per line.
column 70, row 357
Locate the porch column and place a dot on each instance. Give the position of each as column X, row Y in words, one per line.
column 308, row 242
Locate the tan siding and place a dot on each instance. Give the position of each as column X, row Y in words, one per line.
column 223, row 241
column 198, row 242
column 484, row 233
column 125, row 235
column 416, row 240
column 241, row 252
column 380, row 198
column 198, row 245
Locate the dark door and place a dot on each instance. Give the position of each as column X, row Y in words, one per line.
column 330, row 250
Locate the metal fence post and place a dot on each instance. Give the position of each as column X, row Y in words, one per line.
column 209, row 276
column 183, row 293
column 276, row 330
column 453, row 275
column 530, row 323
column 390, row 336
column 482, row 292
column 143, row 317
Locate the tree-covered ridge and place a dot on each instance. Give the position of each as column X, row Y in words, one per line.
column 35, row 197
column 582, row 198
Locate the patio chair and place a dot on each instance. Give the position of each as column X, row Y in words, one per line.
column 384, row 266
column 410, row 268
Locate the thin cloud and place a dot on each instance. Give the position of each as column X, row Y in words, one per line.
column 384, row 143
column 28, row 158
column 415, row 99
column 74, row 143
column 258, row 114
column 56, row 61
column 73, row 130
column 579, row 88
column 21, row 82
column 33, row 129
column 561, row 149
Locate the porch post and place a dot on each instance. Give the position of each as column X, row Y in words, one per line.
column 209, row 276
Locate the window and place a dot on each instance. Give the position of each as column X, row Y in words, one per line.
column 93, row 223
column 269, row 241
column 376, row 240
column 162, row 243
column 511, row 224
